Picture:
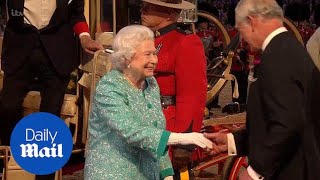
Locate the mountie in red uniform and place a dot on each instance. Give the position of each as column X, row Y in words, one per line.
column 181, row 75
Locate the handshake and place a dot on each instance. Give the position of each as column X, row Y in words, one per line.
column 214, row 143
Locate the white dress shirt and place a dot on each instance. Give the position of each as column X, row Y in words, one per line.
column 271, row 36
column 39, row 12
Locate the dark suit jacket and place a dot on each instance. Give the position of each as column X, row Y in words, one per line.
column 282, row 138
column 57, row 38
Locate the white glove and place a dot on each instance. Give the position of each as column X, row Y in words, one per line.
column 190, row 138
column 168, row 178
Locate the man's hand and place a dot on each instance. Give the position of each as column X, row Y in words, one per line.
column 90, row 45
column 244, row 175
column 220, row 141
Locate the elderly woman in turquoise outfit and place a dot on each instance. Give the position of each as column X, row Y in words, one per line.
column 127, row 136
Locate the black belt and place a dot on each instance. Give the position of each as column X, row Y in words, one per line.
column 167, row 101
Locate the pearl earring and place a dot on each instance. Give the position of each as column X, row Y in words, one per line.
column 129, row 66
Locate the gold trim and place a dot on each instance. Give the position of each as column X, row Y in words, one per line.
column 114, row 18
column 239, row 118
column 86, row 10
column 92, row 16
column 98, row 15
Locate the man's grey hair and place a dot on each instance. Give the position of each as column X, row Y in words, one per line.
column 266, row 9
column 125, row 43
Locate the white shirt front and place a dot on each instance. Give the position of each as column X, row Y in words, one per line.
column 39, row 12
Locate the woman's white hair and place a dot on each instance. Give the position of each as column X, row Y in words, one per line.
column 267, row 9
column 125, row 43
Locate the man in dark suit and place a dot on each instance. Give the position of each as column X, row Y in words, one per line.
column 40, row 42
column 281, row 139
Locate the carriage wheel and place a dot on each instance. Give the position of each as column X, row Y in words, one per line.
column 219, row 25
column 233, row 166
column 216, row 67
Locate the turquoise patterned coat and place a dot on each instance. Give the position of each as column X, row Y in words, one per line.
column 127, row 136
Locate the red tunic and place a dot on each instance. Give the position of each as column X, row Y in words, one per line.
column 238, row 66
column 181, row 72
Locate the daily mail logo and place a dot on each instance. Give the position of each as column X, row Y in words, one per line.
column 32, row 150
column 41, row 143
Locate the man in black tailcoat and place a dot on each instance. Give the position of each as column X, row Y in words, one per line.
column 282, row 137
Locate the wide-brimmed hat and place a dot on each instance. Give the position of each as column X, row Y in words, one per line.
column 177, row 4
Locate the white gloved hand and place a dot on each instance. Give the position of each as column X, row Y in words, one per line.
column 168, row 178
column 190, row 138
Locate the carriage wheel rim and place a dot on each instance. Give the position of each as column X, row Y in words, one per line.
column 236, row 167
column 226, row 38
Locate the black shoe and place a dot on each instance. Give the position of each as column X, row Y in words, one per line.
column 234, row 107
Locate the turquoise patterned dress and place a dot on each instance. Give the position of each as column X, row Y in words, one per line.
column 127, row 136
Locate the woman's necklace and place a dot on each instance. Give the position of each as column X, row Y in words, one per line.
column 130, row 82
